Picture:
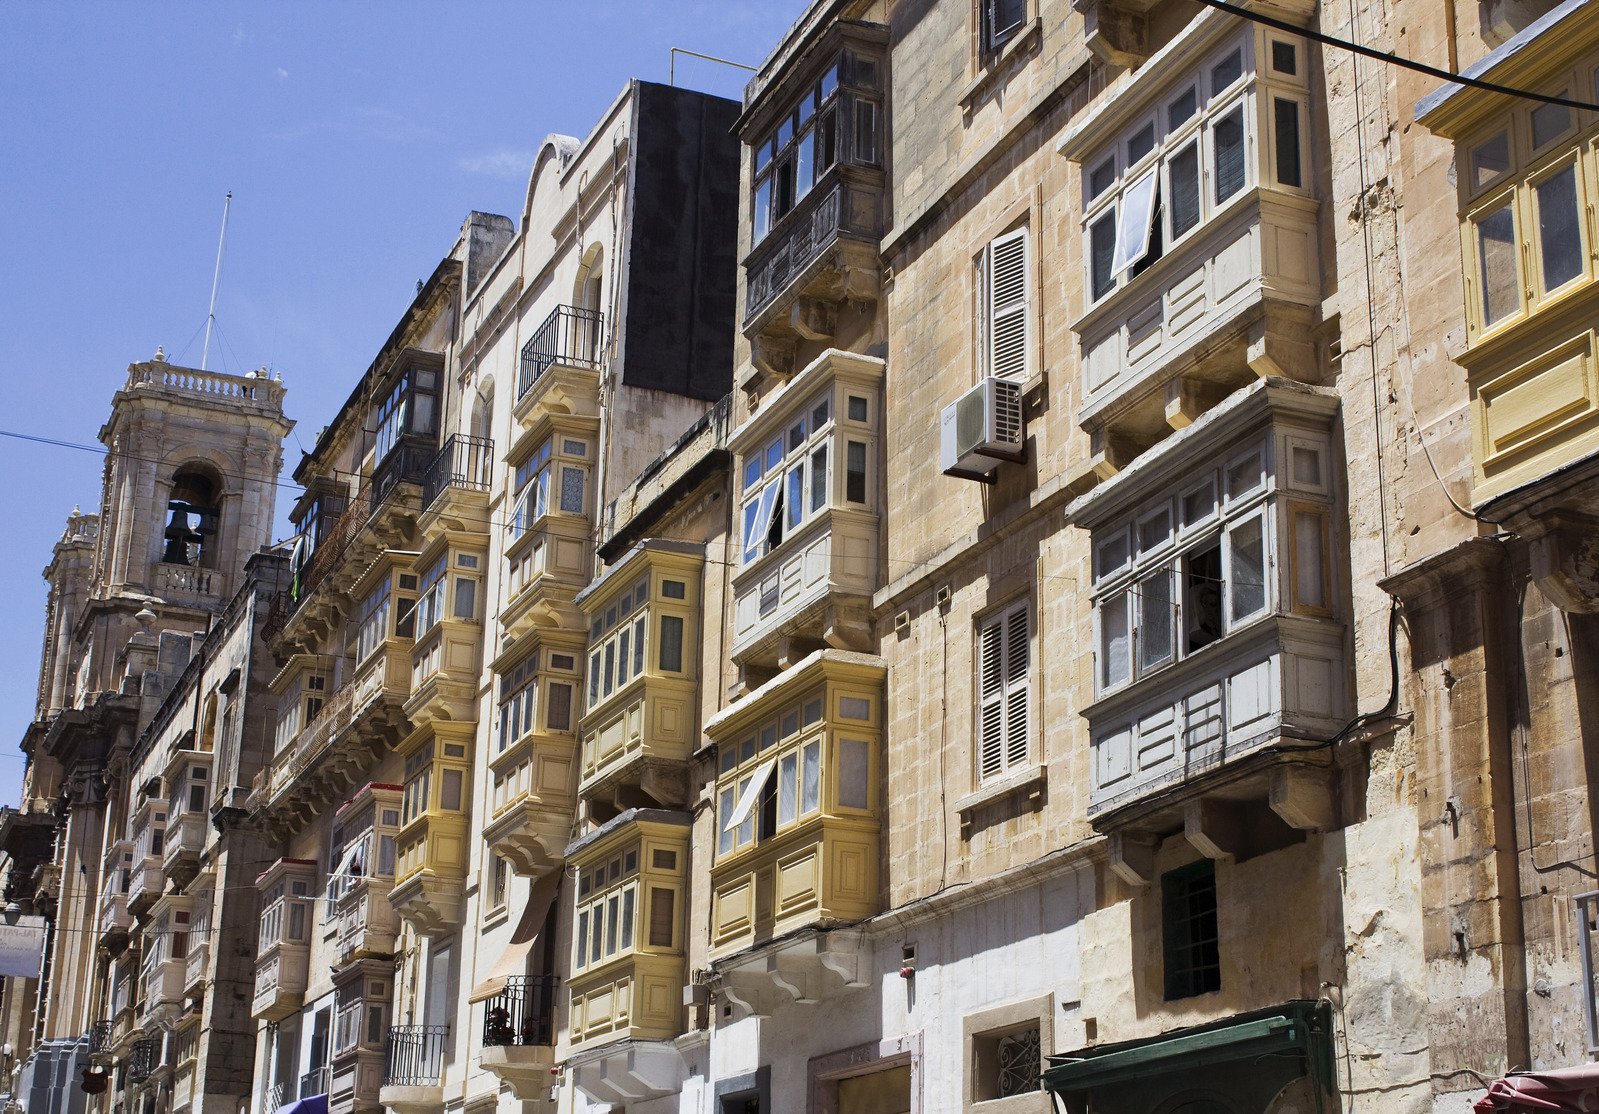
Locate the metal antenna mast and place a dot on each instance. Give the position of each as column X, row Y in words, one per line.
column 216, row 278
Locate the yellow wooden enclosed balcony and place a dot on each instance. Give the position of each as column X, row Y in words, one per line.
column 534, row 743
column 547, row 544
column 447, row 655
column 628, row 968
column 639, row 723
column 797, row 824
column 430, row 872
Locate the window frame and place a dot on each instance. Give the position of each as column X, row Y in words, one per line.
column 1009, row 696
column 994, row 311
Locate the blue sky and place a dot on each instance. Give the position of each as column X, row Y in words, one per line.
column 355, row 138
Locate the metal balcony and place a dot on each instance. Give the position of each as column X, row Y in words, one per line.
column 464, row 462
column 521, row 1014
column 99, row 1035
column 570, row 336
column 407, row 462
column 314, row 1082
column 143, row 1058
column 415, row 1055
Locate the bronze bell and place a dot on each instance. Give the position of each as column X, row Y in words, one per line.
column 179, row 537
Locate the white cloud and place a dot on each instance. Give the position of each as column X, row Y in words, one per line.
column 283, row 74
column 239, row 36
column 502, row 163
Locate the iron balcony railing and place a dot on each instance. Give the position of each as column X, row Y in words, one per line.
column 273, row 1099
column 570, row 336
column 464, row 462
column 314, row 1082
column 142, row 1059
column 415, row 1056
column 99, row 1036
column 522, row 1013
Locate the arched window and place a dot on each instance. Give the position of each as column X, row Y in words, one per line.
column 194, row 517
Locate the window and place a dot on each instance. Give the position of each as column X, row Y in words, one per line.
column 616, row 642
column 835, row 120
column 283, row 913
column 1001, row 19
column 532, row 480
column 1184, row 162
column 500, row 880
column 430, row 597
column 298, row 706
column 1004, row 323
column 418, row 784
column 607, row 909
column 1003, row 692
column 1526, row 190
column 1188, row 930
column 788, row 482
column 411, row 406
column 1188, row 569
column 372, row 623
column 772, row 778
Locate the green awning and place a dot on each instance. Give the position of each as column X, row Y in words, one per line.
column 1298, row 1027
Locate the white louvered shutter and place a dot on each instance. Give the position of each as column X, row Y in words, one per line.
column 991, row 694
column 1007, row 324
column 1016, row 687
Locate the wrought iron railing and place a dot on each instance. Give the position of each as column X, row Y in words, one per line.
column 522, row 1013
column 99, row 1035
column 465, row 462
column 314, row 1082
column 142, row 1058
column 416, row 1055
column 570, row 336
column 272, row 1099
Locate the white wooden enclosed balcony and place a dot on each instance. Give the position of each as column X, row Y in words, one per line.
column 1199, row 226
column 283, row 941
column 1220, row 643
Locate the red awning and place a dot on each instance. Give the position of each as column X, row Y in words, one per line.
column 1566, row 1089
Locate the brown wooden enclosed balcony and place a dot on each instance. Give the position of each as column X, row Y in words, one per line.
column 519, row 1034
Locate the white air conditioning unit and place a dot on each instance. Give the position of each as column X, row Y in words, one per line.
column 980, row 429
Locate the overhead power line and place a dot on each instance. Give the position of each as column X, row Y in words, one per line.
column 1396, row 59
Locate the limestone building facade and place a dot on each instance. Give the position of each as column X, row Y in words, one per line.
column 1081, row 595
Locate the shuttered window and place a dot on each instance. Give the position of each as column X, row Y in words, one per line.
column 1004, row 311
column 1003, row 691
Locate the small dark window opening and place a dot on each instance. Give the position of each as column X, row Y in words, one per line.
column 767, row 825
column 1189, row 932
column 1001, row 20
column 191, row 530
column 1202, row 596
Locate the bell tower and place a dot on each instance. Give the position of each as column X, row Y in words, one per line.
column 188, row 494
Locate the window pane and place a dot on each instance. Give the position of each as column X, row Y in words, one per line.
column 1225, row 72
column 1285, row 115
column 794, row 503
column 661, row 903
column 1101, row 250
column 450, row 790
column 855, row 473
column 853, row 771
column 1549, row 122
column 1496, row 247
column 1182, row 108
column 724, row 813
column 1246, row 545
column 1490, row 159
column 1113, row 640
column 638, row 645
column 866, row 132
column 1183, row 174
column 1155, row 618
column 1141, row 144
column 671, row 644
column 558, row 712
column 1101, row 178
column 819, row 478
column 611, row 923
column 572, row 490
column 787, row 787
column 811, row 778
column 1132, row 230
column 1560, row 241
column 762, row 215
column 629, row 895
column 804, row 171
column 826, row 141
column 1309, row 582
column 1284, row 58
column 465, row 598
column 1228, row 141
